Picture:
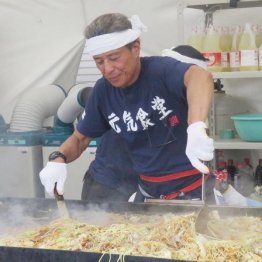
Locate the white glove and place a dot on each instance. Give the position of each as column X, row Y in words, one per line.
column 51, row 174
column 199, row 146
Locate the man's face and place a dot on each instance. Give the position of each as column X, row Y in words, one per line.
column 121, row 67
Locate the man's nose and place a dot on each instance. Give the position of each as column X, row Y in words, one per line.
column 108, row 67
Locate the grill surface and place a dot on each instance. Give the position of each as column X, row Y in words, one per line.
column 37, row 208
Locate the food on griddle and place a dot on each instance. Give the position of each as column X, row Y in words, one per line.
column 235, row 228
column 229, row 250
column 164, row 236
column 156, row 235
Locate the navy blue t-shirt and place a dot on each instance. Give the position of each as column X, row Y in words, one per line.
column 150, row 116
column 112, row 165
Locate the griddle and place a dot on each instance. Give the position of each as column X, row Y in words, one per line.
column 38, row 208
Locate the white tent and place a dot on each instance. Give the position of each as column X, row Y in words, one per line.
column 42, row 40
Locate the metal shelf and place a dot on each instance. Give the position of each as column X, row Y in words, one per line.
column 212, row 5
column 221, row 4
column 236, row 143
column 237, row 75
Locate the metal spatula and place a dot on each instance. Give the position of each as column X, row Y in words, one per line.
column 203, row 214
column 63, row 211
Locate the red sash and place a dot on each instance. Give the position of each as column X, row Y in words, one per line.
column 169, row 177
column 175, row 176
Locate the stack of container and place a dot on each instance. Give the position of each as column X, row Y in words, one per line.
column 237, row 48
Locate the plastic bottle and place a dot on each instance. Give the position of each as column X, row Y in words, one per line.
column 235, row 183
column 258, row 173
column 241, row 177
column 234, row 56
column 246, row 177
column 196, row 38
column 248, row 50
column 212, row 50
column 231, row 170
column 225, row 42
column 258, row 32
column 249, row 167
column 260, row 58
column 225, row 39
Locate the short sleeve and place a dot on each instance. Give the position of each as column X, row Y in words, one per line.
column 93, row 122
column 174, row 73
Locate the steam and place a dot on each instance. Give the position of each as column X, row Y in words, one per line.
column 14, row 218
column 17, row 215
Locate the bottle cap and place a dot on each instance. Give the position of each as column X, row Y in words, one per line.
column 230, row 161
column 247, row 160
column 222, row 164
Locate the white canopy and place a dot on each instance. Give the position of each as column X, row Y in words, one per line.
column 42, row 40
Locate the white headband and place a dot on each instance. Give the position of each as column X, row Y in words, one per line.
column 103, row 43
column 183, row 58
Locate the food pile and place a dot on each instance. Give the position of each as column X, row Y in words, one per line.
column 164, row 236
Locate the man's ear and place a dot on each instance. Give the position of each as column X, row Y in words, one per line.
column 136, row 47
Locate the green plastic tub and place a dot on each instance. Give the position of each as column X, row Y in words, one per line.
column 249, row 126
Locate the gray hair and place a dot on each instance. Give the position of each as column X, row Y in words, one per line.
column 107, row 23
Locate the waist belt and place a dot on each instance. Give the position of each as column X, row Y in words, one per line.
column 186, row 189
column 175, row 176
column 169, row 177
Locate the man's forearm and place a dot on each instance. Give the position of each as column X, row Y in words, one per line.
column 73, row 147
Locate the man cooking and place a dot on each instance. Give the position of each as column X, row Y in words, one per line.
column 158, row 105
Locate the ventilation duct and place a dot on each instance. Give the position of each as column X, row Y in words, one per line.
column 73, row 105
column 35, row 106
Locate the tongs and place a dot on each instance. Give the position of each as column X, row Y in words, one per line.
column 62, row 208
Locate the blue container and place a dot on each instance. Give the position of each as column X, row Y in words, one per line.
column 249, row 127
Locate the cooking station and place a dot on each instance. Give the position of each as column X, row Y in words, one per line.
column 20, row 212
